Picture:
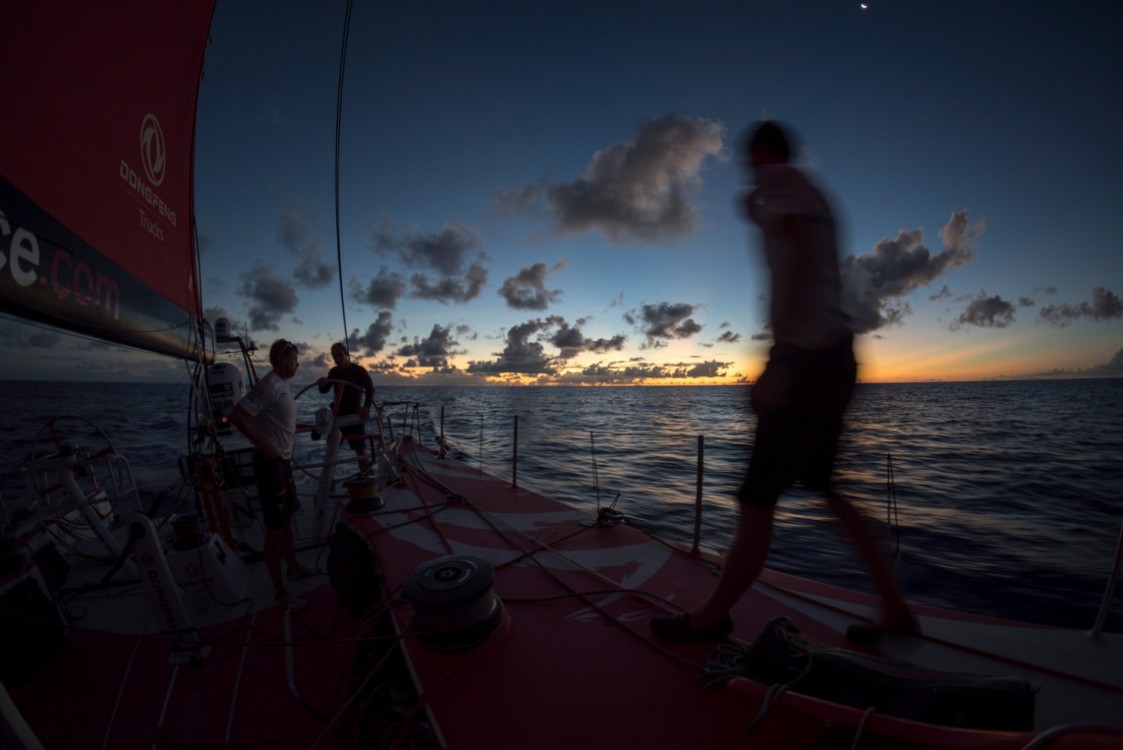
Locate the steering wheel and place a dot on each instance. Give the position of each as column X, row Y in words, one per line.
column 338, row 392
column 75, row 448
column 85, row 448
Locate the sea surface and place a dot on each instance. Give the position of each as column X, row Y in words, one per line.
column 1006, row 500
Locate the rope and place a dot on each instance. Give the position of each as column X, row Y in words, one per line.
column 414, row 466
column 775, row 692
column 862, row 727
column 338, row 127
column 1046, row 738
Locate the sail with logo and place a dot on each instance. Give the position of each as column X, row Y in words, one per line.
column 96, row 227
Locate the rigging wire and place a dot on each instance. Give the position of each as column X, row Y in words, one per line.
column 338, row 125
column 893, row 524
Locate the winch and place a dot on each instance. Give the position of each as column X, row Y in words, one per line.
column 454, row 606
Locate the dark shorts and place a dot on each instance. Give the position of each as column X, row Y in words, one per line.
column 798, row 441
column 357, row 442
column 276, row 490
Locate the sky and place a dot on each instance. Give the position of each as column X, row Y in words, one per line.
column 546, row 193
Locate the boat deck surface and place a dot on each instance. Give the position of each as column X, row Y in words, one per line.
column 574, row 661
column 571, row 662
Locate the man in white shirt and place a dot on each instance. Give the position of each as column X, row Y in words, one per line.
column 266, row 416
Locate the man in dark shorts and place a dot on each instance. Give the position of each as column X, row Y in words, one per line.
column 266, row 416
column 347, row 397
column 801, row 397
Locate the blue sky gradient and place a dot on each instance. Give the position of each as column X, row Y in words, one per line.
column 546, row 193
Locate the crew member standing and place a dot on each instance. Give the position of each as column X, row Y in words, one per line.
column 347, row 397
column 266, row 416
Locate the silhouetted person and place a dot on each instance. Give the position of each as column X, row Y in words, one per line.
column 800, row 398
column 347, row 397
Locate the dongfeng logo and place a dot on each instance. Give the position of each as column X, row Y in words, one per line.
column 152, row 149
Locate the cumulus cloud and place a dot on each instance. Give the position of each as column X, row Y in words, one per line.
column 570, row 341
column 985, row 312
column 446, row 275
column 874, row 284
column 433, row 351
column 376, row 336
column 1105, row 305
column 451, row 289
column 527, row 289
column 270, row 297
column 381, row 292
column 633, row 190
column 293, row 235
column 665, row 321
column 521, row 355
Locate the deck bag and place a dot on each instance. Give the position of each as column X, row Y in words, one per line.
column 782, row 654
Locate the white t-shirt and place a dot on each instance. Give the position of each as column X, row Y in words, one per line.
column 806, row 308
column 273, row 409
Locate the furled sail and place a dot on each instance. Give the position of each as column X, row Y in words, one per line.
column 96, row 148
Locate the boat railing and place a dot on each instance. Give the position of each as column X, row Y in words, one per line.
column 1109, row 591
column 696, row 510
column 502, row 450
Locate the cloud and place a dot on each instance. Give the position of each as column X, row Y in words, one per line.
column 985, row 312
column 383, row 291
column 665, row 321
column 43, row 339
column 728, row 337
column 633, row 190
column 527, row 290
column 520, row 201
column 1113, row 368
column 451, row 289
column 873, row 285
column 445, row 253
column 376, row 337
column 600, row 373
column 570, row 341
column 270, row 297
column 212, row 314
column 944, row 293
column 24, row 335
column 432, row 352
column 1105, row 305
column 293, row 235
column 521, row 355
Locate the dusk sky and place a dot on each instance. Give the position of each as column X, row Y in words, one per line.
column 547, row 192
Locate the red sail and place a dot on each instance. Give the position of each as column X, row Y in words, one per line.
column 96, row 149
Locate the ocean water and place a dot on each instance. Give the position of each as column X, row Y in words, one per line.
column 1008, row 496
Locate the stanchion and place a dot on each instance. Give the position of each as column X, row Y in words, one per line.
column 698, row 495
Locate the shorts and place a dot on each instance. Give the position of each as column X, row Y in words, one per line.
column 798, row 441
column 357, row 442
column 276, row 490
